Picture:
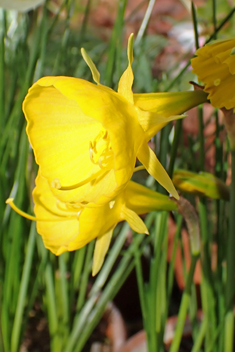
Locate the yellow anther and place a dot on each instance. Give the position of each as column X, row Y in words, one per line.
column 111, row 204
column 100, row 149
column 56, row 183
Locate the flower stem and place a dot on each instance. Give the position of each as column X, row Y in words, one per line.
column 230, row 287
column 184, row 307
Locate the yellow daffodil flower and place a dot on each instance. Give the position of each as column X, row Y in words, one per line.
column 20, row 5
column 215, row 67
column 201, row 184
column 86, row 136
column 69, row 226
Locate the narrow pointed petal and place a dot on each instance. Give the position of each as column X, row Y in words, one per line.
column 135, row 222
column 152, row 122
column 169, row 103
column 126, row 81
column 143, row 200
column 147, row 157
column 165, row 105
column 95, row 73
column 101, row 248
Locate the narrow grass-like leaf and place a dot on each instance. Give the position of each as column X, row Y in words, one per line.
column 23, row 294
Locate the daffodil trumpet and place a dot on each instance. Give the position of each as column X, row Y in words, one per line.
column 86, row 137
column 70, row 226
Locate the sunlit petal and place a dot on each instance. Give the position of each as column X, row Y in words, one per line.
column 215, row 67
column 101, row 247
column 126, row 81
column 90, row 63
column 135, row 222
column 155, row 168
column 143, row 200
column 160, row 106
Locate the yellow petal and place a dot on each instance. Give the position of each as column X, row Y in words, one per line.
column 152, row 122
column 56, row 234
column 147, row 157
column 160, row 105
column 93, row 222
column 126, row 81
column 135, row 222
column 143, row 200
column 90, row 63
column 101, row 247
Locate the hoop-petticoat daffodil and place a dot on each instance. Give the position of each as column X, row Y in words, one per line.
column 86, row 136
column 20, row 5
column 68, row 226
column 214, row 65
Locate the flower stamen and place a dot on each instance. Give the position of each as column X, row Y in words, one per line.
column 100, row 149
column 138, row 168
column 56, row 183
column 34, row 218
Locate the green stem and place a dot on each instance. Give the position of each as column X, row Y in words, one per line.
column 200, row 336
column 63, row 295
column 85, row 22
column 174, row 147
column 141, row 289
column 94, row 306
column 195, row 25
column 173, row 256
column 230, row 287
column 108, row 294
column 163, row 152
column 214, row 16
column 2, row 82
column 17, row 325
column 85, row 277
column 207, row 285
column 115, row 43
column 184, row 307
column 201, row 140
column 145, row 21
column 51, row 309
